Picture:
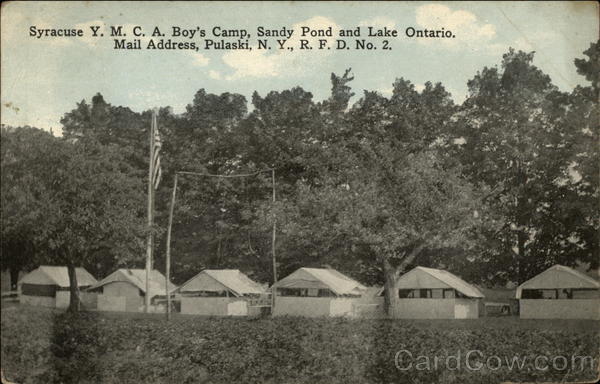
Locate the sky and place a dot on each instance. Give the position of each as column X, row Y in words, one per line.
column 42, row 79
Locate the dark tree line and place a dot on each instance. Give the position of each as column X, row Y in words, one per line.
column 496, row 189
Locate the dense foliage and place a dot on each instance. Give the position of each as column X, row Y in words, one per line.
column 68, row 203
column 91, row 348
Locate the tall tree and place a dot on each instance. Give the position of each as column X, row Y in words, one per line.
column 85, row 194
column 513, row 139
column 24, row 152
column 93, row 209
column 578, row 116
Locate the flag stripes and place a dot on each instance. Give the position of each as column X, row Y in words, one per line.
column 156, row 155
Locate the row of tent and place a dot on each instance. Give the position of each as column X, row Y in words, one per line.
column 423, row 293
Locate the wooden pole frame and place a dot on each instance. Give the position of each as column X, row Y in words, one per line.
column 168, row 252
column 170, row 226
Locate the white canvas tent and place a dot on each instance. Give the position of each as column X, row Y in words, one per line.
column 315, row 292
column 559, row 292
column 429, row 293
column 125, row 289
column 219, row 292
column 48, row 286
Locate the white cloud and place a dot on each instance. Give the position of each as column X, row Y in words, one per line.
column 253, row 64
column 216, row 75
column 496, row 49
column 150, row 98
column 523, row 44
column 387, row 91
column 470, row 32
column 538, row 41
column 264, row 64
column 200, row 60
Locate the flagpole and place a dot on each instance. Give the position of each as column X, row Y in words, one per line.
column 168, row 255
column 150, row 218
column 274, row 229
column 153, row 210
column 273, row 292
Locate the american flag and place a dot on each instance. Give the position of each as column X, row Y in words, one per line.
column 156, row 155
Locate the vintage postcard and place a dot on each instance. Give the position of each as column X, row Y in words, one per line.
column 300, row 192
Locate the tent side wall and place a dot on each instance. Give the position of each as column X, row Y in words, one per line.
column 438, row 308
column 342, row 306
column 314, row 306
column 425, row 309
column 120, row 296
column 560, row 309
column 38, row 301
column 302, row 306
column 62, row 299
column 214, row 306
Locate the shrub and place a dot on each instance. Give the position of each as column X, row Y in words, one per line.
column 47, row 346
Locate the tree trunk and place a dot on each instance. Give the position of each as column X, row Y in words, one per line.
column 521, row 239
column 74, row 302
column 14, row 278
column 390, row 290
column 391, row 275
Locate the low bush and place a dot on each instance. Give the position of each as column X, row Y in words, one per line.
column 42, row 346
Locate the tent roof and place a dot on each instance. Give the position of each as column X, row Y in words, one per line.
column 559, row 277
column 337, row 282
column 232, row 279
column 137, row 277
column 441, row 279
column 57, row 275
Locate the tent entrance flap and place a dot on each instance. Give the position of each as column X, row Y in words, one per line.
column 45, row 290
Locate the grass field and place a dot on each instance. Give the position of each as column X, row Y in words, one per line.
column 42, row 345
